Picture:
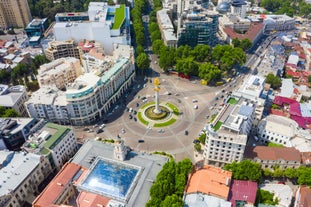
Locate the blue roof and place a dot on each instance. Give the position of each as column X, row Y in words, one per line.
column 246, row 111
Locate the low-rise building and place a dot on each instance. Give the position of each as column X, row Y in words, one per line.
column 166, row 28
column 59, row 72
column 208, row 186
column 55, row 142
column 61, row 49
column 15, row 131
column 14, row 97
column 243, row 192
column 227, row 135
column 303, row 197
column 20, row 175
column 283, row 193
column 271, row 157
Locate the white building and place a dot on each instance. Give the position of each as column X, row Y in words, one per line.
column 238, row 7
column 277, row 129
column 166, row 27
column 89, row 97
column 59, row 72
column 274, row 22
column 52, row 140
column 227, row 135
column 107, row 24
column 14, row 97
column 20, row 176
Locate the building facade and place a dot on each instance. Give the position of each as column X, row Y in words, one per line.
column 227, row 135
column 61, row 49
column 167, row 28
column 14, row 97
column 59, row 72
column 20, row 185
column 14, row 13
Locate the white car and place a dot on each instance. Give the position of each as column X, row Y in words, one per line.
column 196, row 107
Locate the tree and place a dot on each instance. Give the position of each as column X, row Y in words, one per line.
column 10, row 113
column 273, row 80
column 139, row 50
column 197, row 147
column 167, row 58
column 172, row 201
column 245, row 170
column 157, row 45
column 278, row 172
column 290, row 173
column 2, row 32
column 267, row 172
column 309, row 78
column 245, row 44
column 209, row 72
column 265, row 197
column 236, row 42
column 202, row 53
column 187, row 66
column 202, row 138
column 142, row 61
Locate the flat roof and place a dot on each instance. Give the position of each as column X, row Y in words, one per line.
column 203, row 200
column 114, row 70
column 119, row 17
column 150, row 163
column 283, row 192
column 274, row 123
column 210, row 180
column 57, row 131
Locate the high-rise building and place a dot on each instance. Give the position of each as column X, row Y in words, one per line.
column 14, row 13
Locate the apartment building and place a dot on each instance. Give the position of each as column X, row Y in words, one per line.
column 61, row 49
column 107, row 24
column 15, row 131
column 271, row 157
column 59, row 72
column 89, row 97
column 14, row 13
column 55, row 142
column 167, row 28
column 14, row 97
column 227, row 135
column 269, row 130
column 196, row 24
column 20, row 175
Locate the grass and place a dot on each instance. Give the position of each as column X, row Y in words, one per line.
column 174, row 108
column 217, row 126
column 61, row 131
column 169, row 122
column 272, row 144
column 147, row 104
column 232, row 101
column 165, row 154
column 212, row 118
column 141, row 119
column 119, row 17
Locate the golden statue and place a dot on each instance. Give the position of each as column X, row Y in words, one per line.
column 156, row 82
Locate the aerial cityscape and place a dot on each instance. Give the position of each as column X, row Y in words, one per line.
column 155, row 103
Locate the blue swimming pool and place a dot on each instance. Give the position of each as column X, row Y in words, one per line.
column 110, row 178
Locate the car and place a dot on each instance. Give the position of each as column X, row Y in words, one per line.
column 155, row 62
column 194, row 101
column 103, row 125
column 141, row 141
column 95, row 125
column 135, row 119
column 137, row 104
column 207, row 116
column 169, row 93
column 99, row 131
column 195, row 106
column 134, row 112
column 196, row 141
column 86, row 129
column 131, row 110
column 216, row 98
column 223, row 91
column 222, row 96
column 186, row 132
column 281, row 182
column 130, row 117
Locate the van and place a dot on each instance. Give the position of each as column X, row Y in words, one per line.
column 130, row 110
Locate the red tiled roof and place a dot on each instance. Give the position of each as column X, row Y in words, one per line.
column 292, row 73
column 306, row 158
column 86, row 199
column 57, row 186
column 280, row 100
column 210, row 180
column 278, row 112
column 244, row 191
column 273, row 153
column 251, row 33
column 305, row 197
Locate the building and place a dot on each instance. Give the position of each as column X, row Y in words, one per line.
column 15, row 131
column 14, row 97
column 14, row 13
column 268, row 130
column 55, row 142
column 278, row 22
column 196, row 24
column 238, row 7
column 303, row 197
column 89, row 97
column 120, row 181
column 227, row 135
column 20, row 175
column 271, row 157
column 59, row 72
column 108, row 25
column 61, row 49
column 283, row 193
column 35, row 30
column 208, row 186
column 243, row 193
column 167, row 28
column 71, row 16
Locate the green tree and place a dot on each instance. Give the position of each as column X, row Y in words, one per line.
column 245, row 44
column 236, row 42
column 209, row 72
column 139, row 50
column 142, row 61
column 167, row 58
column 10, row 113
column 273, row 80
column 157, row 45
column 172, row 201
column 265, row 197
column 202, row 138
column 309, row 78
column 290, row 173
column 187, row 66
column 267, row 172
column 245, row 170
column 197, row 147
column 202, row 53
column 278, row 172
column 2, row 111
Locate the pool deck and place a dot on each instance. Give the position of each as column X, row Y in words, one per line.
column 150, row 166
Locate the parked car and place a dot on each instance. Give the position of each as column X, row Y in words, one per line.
column 141, row 141
column 196, row 141
column 99, row 131
column 186, row 132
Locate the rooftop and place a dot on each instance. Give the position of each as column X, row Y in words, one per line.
column 203, row 200
column 119, row 17
column 242, row 190
column 210, row 180
column 9, row 96
column 251, row 33
column 305, row 196
column 283, row 192
column 253, row 86
column 273, row 153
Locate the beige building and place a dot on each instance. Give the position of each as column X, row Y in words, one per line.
column 14, row 13
column 60, row 49
column 59, row 72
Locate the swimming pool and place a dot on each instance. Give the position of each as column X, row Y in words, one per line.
column 111, row 178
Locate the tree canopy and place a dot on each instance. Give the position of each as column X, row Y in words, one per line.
column 273, row 80
column 245, row 170
column 8, row 112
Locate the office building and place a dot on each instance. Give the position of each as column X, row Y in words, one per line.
column 61, row 49
column 35, row 30
column 14, row 13
column 55, row 142
column 107, row 24
column 20, row 175
column 89, row 97
column 227, row 135
column 14, row 97
column 238, row 7
column 71, row 16
column 14, row 131
column 196, row 24
column 59, row 72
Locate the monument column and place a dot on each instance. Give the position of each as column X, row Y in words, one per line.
column 157, row 109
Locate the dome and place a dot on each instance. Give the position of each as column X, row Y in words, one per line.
column 223, row 7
